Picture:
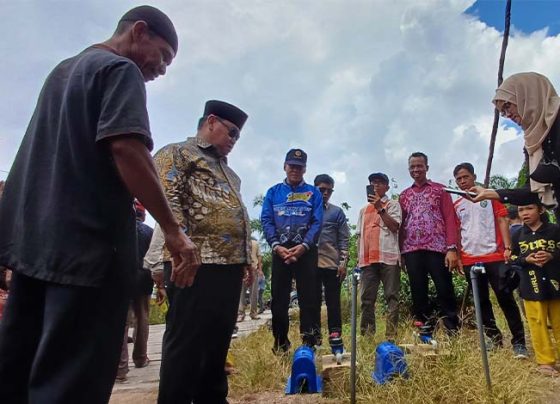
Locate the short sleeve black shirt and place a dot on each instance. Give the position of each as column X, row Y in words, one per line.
column 65, row 215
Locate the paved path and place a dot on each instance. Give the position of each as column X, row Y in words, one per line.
column 146, row 379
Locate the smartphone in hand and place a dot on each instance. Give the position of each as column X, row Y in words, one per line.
column 369, row 190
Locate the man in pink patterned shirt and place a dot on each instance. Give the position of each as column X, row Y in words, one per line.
column 429, row 244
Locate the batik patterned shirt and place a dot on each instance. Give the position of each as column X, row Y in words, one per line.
column 429, row 220
column 204, row 195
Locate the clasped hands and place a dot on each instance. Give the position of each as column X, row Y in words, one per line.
column 290, row 255
column 539, row 258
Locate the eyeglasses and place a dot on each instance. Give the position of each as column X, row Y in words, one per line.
column 505, row 109
column 233, row 132
column 328, row 191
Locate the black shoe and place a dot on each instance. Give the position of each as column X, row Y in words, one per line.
column 279, row 349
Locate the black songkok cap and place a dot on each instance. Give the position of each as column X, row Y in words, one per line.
column 296, row 157
column 226, row 111
column 157, row 21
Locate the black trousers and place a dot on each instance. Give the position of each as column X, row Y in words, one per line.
column 328, row 278
column 420, row 264
column 505, row 300
column 59, row 343
column 304, row 272
column 197, row 335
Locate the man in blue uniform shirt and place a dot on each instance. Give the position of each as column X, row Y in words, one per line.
column 291, row 217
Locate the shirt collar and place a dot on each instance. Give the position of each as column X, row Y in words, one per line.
column 209, row 147
column 542, row 227
column 298, row 185
column 428, row 182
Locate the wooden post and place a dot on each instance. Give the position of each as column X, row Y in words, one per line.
column 500, row 80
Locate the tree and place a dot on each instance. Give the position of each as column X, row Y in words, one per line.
column 498, row 181
column 256, row 227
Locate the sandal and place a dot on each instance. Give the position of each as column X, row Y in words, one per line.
column 548, row 370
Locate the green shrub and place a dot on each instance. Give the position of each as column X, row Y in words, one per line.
column 157, row 312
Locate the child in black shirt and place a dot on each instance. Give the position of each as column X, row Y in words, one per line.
column 536, row 249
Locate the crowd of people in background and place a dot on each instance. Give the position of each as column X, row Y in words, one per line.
column 81, row 260
column 425, row 233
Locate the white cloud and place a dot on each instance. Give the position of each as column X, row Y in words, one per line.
column 357, row 84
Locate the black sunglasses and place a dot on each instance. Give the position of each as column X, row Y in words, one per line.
column 233, row 132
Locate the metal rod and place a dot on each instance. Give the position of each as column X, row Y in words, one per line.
column 355, row 280
column 475, row 271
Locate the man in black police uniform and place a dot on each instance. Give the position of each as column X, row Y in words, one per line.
column 68, row 227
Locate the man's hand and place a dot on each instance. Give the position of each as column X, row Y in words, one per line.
column 297, row 251
column 341, row 273
column 403, row 264
column 460, row 268
column 481, row 194
column 507, row 255
column 161, row 295
column 282, row 252
column 186, row 259
column 375, row 200
column 248, row 275
column 451, row 260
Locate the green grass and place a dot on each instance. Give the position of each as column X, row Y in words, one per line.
column 454, row 378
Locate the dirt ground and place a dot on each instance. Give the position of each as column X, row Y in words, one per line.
column 269, row 397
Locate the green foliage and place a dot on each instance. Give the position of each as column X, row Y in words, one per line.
column 157, row 312
column 256, row 226
column 258, row 200
column 523, row 176
column 501, row 182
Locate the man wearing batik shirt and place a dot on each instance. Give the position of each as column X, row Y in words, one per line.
column 485, row 239
column 204, row 195
column 429, row 244
column 378, row 255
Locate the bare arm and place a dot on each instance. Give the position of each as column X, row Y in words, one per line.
column 503, row 226
column 391, row 223
column 482, row 194
column 136, row 168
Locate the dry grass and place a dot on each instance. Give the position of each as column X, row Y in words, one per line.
column 456, row 378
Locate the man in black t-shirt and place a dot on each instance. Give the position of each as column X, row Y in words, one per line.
column 68, row 227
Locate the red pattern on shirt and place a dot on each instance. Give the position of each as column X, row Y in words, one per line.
column 429, row 220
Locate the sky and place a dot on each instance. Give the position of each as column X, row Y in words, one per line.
column 357, row 84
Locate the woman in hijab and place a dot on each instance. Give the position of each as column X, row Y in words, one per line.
column 530, row 100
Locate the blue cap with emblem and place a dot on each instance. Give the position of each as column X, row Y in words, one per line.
column 296, row 157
